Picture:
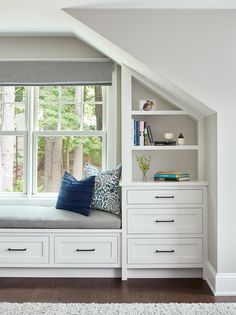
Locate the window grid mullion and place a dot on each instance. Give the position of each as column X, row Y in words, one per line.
column 30, row 147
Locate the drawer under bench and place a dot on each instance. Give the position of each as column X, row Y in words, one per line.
column 24, row 249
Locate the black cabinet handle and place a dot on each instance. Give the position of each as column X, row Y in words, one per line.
column 17, row 249
column 85, row 250
column 161, row 221
column 165, row 251
column 164, row 197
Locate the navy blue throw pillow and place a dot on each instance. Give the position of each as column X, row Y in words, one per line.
column 75, row 195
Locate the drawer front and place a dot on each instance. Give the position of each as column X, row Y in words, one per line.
column 25, row 250
column 165, row 221
column 165, row 196
column 86, row 250
column 165, row 251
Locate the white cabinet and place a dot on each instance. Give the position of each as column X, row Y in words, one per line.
column 169, row 234
column 50, row 248
column 164, row 222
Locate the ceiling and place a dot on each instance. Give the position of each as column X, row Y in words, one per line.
column 47, row 16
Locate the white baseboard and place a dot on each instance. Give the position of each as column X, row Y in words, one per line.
column 98, row 273
column 165, row 273
column 211, row 277
column 61, row 272
column 225, row 284
column 221, row 284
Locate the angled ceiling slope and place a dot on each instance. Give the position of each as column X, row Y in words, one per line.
column 82, row 30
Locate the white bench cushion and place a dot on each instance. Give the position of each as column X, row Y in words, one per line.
column 22, row 216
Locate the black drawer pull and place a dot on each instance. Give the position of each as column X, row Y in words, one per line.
column 17, row 249
column 165, row 251
column 85, row 250
column 161, row 221
column 164, row 197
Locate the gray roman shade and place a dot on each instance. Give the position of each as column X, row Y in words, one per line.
column 56, row 72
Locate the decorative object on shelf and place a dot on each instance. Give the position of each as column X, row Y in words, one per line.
column 169, row 136
column 144, row 163
column 175, row 176
column 147, row 105
column 162, row 143
column 181, row 139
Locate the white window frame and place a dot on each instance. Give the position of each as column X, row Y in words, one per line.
column 30, row 135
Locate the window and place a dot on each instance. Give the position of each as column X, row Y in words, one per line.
column 47, row 130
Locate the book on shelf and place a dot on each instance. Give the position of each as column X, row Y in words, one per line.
column 141, row 133
column 171, row 176
column 171, row 172
column 150, row 137
column 179, row 179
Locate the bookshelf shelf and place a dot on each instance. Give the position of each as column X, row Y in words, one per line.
column 165, row 148
column 158, row 112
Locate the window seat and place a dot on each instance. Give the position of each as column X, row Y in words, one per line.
column 31, row 216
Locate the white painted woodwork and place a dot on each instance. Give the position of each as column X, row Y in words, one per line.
column 167, row 196
column 164, row 221
column 86, row 250
column 181, row 251
column 22, row 249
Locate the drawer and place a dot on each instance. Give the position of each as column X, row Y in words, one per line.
column 86, row 250
column 164, row 196
column 165, row 251
column 165, row 221
column 23, row 249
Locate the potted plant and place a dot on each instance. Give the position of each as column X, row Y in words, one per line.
column 144, row 163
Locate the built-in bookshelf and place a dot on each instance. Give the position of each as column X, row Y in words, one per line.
column 166, row 117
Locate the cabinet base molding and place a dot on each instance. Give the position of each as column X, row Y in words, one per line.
column 221, row 284
column 165, row 273
column 61, row 272
column 99, row 273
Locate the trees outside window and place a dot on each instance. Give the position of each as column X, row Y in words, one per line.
column 47, row 130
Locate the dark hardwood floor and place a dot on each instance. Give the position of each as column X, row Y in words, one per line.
column 107, row 291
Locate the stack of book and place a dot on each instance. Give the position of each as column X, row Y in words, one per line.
column 141, row 133
column 171, row 176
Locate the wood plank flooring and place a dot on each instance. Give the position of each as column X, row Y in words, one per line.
column 107, row 291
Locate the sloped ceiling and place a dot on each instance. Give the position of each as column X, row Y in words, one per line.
column 47, row 17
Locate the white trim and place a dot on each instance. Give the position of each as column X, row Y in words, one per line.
column 61, row 272
column 210, row 275
column 158, row 113
column 111, row 121
column 225, row 284
column 103, row 59
column 61, row 133
column 98, row 273
column 12, row 133
column 165, row 273
column 221, row 284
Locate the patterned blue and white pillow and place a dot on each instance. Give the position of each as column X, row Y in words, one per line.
column 106, row 194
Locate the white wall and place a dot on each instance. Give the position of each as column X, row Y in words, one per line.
column 45, row 47
column 196, row 50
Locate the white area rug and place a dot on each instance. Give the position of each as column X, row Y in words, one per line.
column 116, row 309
